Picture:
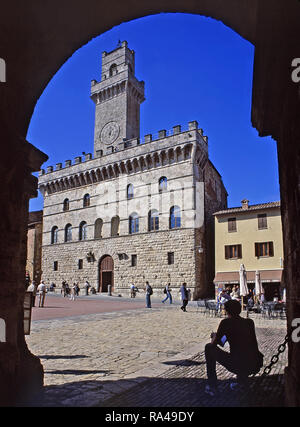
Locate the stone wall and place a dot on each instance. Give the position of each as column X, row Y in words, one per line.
column 152, row 261
column 34, row 245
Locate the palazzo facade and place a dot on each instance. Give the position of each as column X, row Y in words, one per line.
column 137, row 209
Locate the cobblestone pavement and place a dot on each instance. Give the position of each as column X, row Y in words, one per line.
column 144, row 357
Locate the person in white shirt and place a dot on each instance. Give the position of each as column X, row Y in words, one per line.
column 31, row 288
column 73, row 292
column 86, row 287
column 42, row 293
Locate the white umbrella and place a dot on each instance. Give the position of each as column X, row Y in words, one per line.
column 243, row 283
column 258, row 286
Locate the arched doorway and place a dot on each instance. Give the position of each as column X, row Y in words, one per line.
column 106, row 273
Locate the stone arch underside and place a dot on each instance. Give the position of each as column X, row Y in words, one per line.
column 59, row 35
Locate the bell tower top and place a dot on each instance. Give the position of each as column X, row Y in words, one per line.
column 118, row 60
column 117, row 97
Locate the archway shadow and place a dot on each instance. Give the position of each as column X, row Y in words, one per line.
column 163, row 392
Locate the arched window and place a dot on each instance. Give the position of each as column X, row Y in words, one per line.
column 162, row 184
column 68, row 233
column 54, row 235
column 113, row 70
column 153, row 220
column 115, row 226
column 83, row 230
column 98, row 228
column 86, row 200
column 133, row 223
column 130, row 192
column 66, row 205
column 175, row 217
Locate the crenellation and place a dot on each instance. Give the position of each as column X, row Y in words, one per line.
column 162, row 134
column 193, row 125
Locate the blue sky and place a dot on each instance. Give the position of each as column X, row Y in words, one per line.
column 194, row 68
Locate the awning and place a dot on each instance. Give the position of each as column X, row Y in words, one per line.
column 234, row 278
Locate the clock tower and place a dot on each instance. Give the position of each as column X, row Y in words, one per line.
column 117, row 97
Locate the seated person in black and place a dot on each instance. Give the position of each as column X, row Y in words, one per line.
column 244, row 358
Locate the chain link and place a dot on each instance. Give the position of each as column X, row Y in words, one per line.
column 281, row 348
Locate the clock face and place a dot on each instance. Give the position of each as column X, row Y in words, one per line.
column 109, row 133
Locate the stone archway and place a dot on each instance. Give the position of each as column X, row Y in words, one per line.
column 32, row 55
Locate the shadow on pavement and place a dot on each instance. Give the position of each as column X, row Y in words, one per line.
column 71, row 356
column 190, row 392
column 76, row 372
column 183, row 362
column 162, row 392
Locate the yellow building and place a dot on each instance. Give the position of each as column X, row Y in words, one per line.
column 249, row 235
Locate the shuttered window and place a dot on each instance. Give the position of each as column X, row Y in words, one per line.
column 262, row 221
column 264, row 249
column 231, row 225
column 233, row 251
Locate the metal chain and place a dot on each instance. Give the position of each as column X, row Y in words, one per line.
column 281, row 348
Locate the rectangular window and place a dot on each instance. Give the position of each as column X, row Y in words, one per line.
column 231, row 225
column 264, row 249
column 80, row 264
column 55, row 265
column 262, row 221
column 170, row 258
column 233, row 251
column 133, row 260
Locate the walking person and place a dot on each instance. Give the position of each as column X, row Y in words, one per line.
column 63, row 288
column 244, row 358
column 86, row 287
column 184, row 296
column 32, row 288
column 73, row 292
column 167, row 291
column 132, row 290
column 149, row 292
column 42, row 293
column 77, row 289
column 68, row 290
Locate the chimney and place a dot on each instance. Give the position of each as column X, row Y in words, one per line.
column 245, row 204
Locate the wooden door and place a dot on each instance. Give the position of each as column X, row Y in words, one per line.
column 106, row 273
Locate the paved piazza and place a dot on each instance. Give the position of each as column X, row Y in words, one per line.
column 91, row 359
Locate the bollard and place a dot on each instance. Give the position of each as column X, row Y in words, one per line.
column 109, row 290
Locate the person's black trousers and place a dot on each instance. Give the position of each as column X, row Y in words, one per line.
column 184, row 304
column 214, row 354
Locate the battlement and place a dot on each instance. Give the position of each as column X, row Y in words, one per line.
column 158, row 138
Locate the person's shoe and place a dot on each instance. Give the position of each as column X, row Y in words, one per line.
column 163, row 302
column 212, row 391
